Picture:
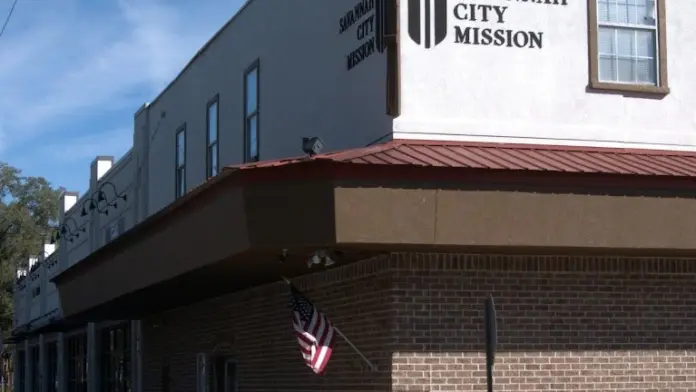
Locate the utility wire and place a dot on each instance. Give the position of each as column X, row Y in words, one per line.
column 7, row 20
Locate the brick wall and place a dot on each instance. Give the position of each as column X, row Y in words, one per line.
column 565, row 323
column 255, row 328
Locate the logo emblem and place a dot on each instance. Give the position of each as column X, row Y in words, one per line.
column 427, row 21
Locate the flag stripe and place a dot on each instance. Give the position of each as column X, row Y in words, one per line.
column 315, row 333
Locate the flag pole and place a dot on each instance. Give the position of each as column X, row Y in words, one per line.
column 364, row 358
column 372, row 366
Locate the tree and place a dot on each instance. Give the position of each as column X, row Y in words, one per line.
column 28, row 215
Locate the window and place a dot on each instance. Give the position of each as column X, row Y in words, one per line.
column 225, row 375
column 77, row 363
column 181, row 161
column 116, row 358
column 251, row 113
column 628, row 45
column 52, row 366
column 213, row 133
column 114, row 229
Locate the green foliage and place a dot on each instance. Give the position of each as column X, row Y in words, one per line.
column 28, row 213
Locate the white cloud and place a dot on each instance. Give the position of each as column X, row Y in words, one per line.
column 62, row 60
column 114, row 142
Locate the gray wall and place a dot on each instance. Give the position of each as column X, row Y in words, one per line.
column 305, row 90
column 122, row 176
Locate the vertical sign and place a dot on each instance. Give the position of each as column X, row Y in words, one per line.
column 366, row 18
column 491, row 339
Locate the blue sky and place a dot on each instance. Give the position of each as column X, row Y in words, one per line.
column 73, row 73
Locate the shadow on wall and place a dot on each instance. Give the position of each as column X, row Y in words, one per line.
column 585, row 321
column 544, row 304
column 254, row 328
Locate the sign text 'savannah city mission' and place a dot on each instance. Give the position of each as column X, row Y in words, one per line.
column 365, row 20
column 430, row 22
column 496, row 15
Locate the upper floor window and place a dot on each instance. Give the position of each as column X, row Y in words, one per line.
column 212, row 138
column 628, row 45
column 251, row 113
column 114, row 229
column 181, row 161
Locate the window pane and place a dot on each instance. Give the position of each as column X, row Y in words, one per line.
column 213, row 156
column 251, row 91
column 640, row 12
column 627, row 55
column 646, row 71
column 645, row 12
column 645, row 43
column 212, row 123
column 625, row 50
column 181, row 148
column 646, row 63
column 625, row 43
column 606, row 10
column 181, row 181
column 623, row 10
column 607, row 54
column 607, row 69
column 252, row 137
column 607, row 37
column 626, row 70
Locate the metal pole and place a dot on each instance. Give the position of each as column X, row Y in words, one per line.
column 489, row 376
column 491, row 339
column 364, row 358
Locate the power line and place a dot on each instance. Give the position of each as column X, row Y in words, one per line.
column 7, row 20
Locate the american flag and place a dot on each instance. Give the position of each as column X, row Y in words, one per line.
column 314, row 331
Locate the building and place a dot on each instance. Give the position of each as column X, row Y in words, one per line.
column 539, row 151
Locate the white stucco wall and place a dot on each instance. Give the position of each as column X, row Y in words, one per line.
column 455, row 91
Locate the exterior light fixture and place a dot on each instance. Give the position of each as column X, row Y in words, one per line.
column 314, row 260
column 319, row 257
column 65, row 231
column 328, row 261
column 100, row 201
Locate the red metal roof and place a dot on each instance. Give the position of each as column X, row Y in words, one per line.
column 509, row 157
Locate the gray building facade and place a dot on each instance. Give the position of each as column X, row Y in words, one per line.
column 276, row 73
column 541, row 152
